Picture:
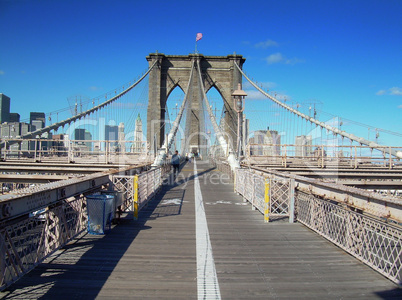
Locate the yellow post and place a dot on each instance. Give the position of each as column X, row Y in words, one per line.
column 135, row 200
column 266, row 197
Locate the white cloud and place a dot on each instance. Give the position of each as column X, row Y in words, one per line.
column 266, row 44
column 2, row 72
column 280, row 58
column 275, row 58
column 400, row 106
column 394, row 91
column 257, row 95
column 265, row 85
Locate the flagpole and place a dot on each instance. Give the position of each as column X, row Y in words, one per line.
column 197, row 38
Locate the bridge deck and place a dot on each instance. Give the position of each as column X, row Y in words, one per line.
column 155, row 257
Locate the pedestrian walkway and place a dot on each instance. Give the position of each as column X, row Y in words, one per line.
column 199, row 240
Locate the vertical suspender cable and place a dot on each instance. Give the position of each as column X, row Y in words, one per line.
column 160, row 158
column 336, row 131
column 226, row 148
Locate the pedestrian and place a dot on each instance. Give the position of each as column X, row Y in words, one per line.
column 176, row 162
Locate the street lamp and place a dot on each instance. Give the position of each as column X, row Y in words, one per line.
column 238, row 104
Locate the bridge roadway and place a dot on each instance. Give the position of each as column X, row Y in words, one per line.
column 156, row 256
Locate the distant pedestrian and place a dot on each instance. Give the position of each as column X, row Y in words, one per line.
column 176, row 162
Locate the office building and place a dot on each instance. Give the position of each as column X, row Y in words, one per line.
column 14, row 117
column 13, row 130
column 303, row 146
column 37, row 116
column 111, row 132
column 4, row 108
column 138, row 145
column 79, row 134
column 265, row 142
column 122, row 138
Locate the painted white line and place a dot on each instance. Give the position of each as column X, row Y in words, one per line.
column 207, row 280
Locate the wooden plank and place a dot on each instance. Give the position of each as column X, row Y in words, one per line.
column 155, row 257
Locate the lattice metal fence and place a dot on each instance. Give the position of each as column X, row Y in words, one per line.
column 374, row 242
column 270, row 194
column 222, row 166
column 125, row 184
column 26, row 243
column 139, row 189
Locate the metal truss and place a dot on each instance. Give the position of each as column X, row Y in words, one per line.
column 125, row 184
column 26, row 243
column 374, row 242
column 27, row 240
column 271, row 195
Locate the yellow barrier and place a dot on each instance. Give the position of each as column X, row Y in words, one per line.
column 266, row 198
column 135, row 202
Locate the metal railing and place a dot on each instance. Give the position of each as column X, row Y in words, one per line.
column 222, row 166
column 29, row 237
column 376, row 243
column 84, row 151
column 140, row 189
column 365, row 234
column 322, row 155
column 269, row 194
column 26, row 242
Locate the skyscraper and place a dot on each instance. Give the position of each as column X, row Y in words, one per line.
column 122, row 137
column 14, row 117
column 37, row 116
column 79, row 134
column 4, row 108
column 138, row 136
column 111, row 133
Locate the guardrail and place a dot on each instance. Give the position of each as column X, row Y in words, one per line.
column 77, row 151
column 321, row 156
column 356, row 221
column 141, row 188
column 35, row 225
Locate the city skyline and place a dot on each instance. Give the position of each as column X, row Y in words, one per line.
column 325, row 52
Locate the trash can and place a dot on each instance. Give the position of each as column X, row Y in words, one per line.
column 100, row 213
column 118, row 202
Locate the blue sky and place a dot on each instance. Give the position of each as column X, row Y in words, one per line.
column 343, row 54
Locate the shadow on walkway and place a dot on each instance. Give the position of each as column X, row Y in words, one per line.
column 81, row 268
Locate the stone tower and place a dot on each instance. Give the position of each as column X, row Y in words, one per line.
column 173, row 71
column 138, row 135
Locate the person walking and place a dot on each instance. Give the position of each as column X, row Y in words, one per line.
column 176, row 163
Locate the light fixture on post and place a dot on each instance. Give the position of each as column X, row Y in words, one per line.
column 238, row 103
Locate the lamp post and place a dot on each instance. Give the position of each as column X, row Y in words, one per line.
column 238, row 104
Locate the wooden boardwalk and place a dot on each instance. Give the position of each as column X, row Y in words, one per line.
column 156, row 257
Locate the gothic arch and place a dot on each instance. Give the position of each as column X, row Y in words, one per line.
column 219, row 72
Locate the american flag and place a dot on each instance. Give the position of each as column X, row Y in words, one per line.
column 198, row 37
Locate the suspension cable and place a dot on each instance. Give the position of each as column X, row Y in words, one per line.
column 352, row 137
column 55, row 126
column 226, row 147
column 160, row 158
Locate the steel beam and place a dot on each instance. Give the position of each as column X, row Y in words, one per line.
column 381, row 206
column 23, row 202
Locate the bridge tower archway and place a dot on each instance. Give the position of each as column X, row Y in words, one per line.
column 171, row 71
